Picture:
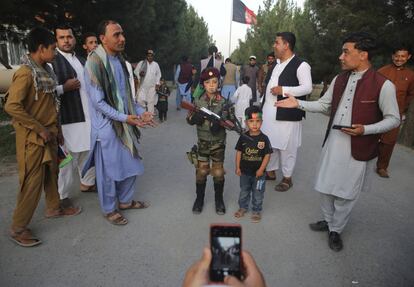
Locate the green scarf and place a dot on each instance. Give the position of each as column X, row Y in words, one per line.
column 101, row 74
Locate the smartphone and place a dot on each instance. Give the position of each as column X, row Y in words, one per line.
column 226, row 246
column 338, row 127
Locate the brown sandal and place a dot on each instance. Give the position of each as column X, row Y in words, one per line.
column 256, row 217
column 116, row 218
column 284, row 185
column 90, row 189
column 135, row 205
column 24, row 238
column 240, row 213
column 63, row 211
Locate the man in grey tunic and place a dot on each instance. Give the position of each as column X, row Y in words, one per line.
column 365, row 103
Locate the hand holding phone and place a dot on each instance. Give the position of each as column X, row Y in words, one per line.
column 226, row 246
column 339, row 127
column 198, row 273
column 354, row 130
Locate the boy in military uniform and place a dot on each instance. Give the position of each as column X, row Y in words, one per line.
column 211, row 140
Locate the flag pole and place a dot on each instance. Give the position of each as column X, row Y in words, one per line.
column 231, row 22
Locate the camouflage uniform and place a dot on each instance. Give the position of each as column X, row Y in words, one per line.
column 211, row 146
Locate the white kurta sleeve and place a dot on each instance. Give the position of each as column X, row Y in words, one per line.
column 305, row 82
column 235, row 96
column 322, row 105
column 157, row 74
column 137, row 69
column 388, row 105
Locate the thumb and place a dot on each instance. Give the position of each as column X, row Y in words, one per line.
column 232, row 281
column 206, row 258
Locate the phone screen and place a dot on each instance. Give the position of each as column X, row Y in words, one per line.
column 226, row 249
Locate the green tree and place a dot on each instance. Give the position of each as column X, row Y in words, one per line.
column 171, row 28
column 272, row 18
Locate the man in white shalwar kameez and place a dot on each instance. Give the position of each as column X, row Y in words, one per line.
column 74, row 115
column 290, row 75
column 364, row 101
column 149, row 74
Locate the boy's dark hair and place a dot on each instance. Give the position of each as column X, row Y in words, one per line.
column 272, row 54
column 245, row 79
column 87, row 35
column 228, row 60
column 362, row 41
column 401, row 47
column 288, row 37
column 102, row 26
column 39, row 36
column 63, row 26
column 184, row 58
column 252, row 110
column 212, row 49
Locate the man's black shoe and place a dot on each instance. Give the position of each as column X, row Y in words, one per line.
column 319, row 226
column 335, row 241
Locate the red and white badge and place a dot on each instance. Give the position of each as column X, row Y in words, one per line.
column 260, row 145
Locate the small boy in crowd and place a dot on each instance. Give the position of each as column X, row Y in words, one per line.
column 162, row 105
column 241, row 98
column 252, row 157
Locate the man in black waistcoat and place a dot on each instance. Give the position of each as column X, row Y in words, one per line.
column 283, row 126
column 74, row 113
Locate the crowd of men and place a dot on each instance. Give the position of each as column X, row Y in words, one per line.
column 91, row 110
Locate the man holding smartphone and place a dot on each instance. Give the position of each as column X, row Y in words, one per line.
column 365, row 100
column 197, row 274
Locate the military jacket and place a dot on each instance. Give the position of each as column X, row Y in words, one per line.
column 216, row 105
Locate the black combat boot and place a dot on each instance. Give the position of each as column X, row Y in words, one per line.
column 199, row 202
column 218, row 196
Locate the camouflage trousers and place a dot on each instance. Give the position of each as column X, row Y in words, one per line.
column 214, row 151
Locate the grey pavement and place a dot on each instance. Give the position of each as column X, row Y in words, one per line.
column 160, row 243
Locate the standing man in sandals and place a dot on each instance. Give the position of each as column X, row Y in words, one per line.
column 74, row 114
column 34, row 105
column 149, row 75
column 115, row 118
column 363, row 102
column 284, row 126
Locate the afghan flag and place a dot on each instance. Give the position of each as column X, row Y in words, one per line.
column 242, row 14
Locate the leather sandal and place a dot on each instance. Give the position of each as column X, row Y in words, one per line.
column 63, row 211
column 284, row 185
column 116, row 218
column 256, row 217
column 135, row 205
column 240, row 213
column 24, row 238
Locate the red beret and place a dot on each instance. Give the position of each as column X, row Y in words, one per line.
column 209, row 73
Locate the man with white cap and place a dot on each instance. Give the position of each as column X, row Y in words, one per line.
column 251, row 70
column 149, row 75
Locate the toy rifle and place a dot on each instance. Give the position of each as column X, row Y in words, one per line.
column 213, row 117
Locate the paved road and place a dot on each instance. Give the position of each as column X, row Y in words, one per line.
column 159, row 243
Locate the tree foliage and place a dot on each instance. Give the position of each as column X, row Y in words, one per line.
column 170, row 28
column 320, row 27
column 322, row 24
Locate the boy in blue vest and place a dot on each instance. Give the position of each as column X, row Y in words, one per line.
column 252, row 157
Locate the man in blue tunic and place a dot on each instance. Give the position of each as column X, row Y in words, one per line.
column 115, row 119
